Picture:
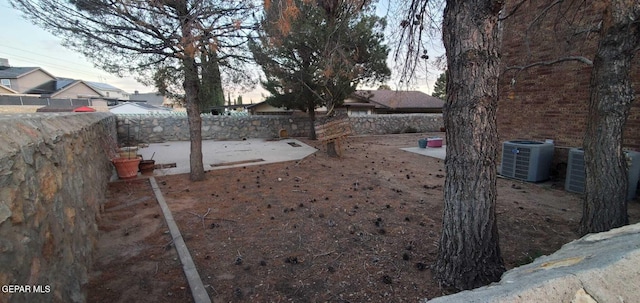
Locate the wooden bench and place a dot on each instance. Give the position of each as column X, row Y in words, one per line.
column 334, row 132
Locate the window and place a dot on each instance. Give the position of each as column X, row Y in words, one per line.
column 6, row 82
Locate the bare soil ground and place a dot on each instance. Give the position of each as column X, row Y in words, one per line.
column 360, row 228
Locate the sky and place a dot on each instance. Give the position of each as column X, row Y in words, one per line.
column 27, row 45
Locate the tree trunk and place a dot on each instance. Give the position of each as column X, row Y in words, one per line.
column 469, row 251
column 311, row 109
column 605, row 202
column 195, row 121
column 191, row 87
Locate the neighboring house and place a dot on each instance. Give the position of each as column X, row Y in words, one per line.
column 109, row 91
column 22, row 79
column 137, row 108
column 369, row 102
column 153, row 98
column 6, row 90
column 264, row 108
column 64, row 88
column 550, row 101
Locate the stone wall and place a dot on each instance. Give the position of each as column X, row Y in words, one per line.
column 601, row 267
column 396, row 123
column 174, row 127
column 53, row 176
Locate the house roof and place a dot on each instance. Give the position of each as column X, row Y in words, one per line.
column 136, row 107
column 252, row 105
column 17, row 72
column 58, row 86
column 399, row 99
column 103, row 86
column 65, row 108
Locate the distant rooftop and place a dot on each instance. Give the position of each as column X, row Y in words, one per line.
column 102, row 86
column 15, row 72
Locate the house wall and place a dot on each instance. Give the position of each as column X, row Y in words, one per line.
column 4, row 90
column 151, row 98
column 265, row 109
column 30, row 80
column 79, row 90
column 551, row 101
column 53, row 176
column 120, row 95
column 174, row 127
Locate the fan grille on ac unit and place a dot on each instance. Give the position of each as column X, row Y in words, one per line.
column 575, row 171
column 522, row 163
column 526, row 160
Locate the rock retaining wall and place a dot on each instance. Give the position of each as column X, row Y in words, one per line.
column 600, row 267
column 174, row 127
column 53, row 177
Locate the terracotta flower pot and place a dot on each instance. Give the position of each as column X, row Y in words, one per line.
column 127, row 168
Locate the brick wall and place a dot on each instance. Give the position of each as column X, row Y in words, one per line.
column 551, row 102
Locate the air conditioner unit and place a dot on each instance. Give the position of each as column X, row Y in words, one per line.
column 526, row 160
column 576, row 175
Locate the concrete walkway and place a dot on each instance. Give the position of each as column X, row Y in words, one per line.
column 224, row 154
column 435, row 152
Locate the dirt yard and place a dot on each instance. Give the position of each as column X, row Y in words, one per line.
column 361, row 228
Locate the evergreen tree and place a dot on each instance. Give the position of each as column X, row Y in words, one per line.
column 440, row 88
column 319, row 57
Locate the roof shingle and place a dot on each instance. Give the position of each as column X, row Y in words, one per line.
column 400, row 99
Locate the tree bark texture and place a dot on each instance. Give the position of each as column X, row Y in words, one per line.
column 311, row 109
column 194, row 119
column 469, row 252
column 191, row 87
column 606, row 184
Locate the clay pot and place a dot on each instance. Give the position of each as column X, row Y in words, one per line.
column 127, row 168
column 147, row 166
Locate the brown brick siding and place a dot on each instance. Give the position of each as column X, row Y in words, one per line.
column 550, row 102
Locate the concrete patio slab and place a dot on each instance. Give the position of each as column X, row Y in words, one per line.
column 435, row 152
column 224, row 154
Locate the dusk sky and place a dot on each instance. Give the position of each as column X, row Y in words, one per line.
column 26, row 45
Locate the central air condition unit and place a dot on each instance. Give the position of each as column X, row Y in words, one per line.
column 575, row 171
column 576, row 175
column 526, row 160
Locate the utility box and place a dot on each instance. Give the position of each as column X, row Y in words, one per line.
column 526, row 160
column 576, row 172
